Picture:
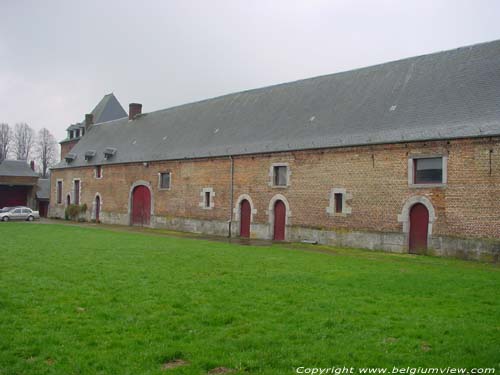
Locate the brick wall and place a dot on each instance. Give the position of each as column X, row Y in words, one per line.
column 66, row 147
column 375, row 176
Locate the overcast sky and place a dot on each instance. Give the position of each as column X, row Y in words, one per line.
column 59, row 57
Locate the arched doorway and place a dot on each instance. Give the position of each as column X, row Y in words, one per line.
column 245, row 218
column 279, row 220
column 419, row 224
column 141, row 205
column 97, row 207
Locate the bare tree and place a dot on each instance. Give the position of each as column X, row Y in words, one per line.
column 5, row 139
column 23, row 140
column 46, row 151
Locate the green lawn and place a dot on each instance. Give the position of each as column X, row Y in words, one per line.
column 83, row 300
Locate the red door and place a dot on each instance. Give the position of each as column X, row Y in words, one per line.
column 43, row 208
column 13, row 196
column 141, row 205
column 279, row 221
column 245, row 213
column 97, row 208
column 419, row 224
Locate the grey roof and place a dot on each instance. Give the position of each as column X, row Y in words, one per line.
column 16, row 168
column 108, row 109
column 43, row 188
column 451, row 94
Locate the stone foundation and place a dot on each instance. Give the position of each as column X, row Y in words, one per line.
column 464, row 248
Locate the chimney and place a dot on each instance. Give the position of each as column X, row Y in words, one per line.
column 32, row 165
column 134, row 109
column 89, row 121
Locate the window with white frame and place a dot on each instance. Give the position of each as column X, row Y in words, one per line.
column 98, row 171
column 339, row 206
column 76, row 191
column 59, row 188
column 207, row 198
column 164, row 180
column 280, row 175
column 427, row 170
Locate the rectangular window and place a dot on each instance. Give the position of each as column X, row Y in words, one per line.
column 207, row 199
column 77, row 133
column 76, row 199
column 428, row 171
column 59, row 192
column 165, row 180
column 338, row 203
column 280, row 175
column 98, row 171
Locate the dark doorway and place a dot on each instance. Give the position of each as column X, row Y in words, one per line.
column 43, row 208
column 11, row 196
column 245, row 215
column 419, row 224
column 279, row 221
column 141, row 206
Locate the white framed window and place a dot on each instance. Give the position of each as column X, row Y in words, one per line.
column 77, row 190
column 339, row 206
column 207, row 198
column 279, row 174
column 164, row 180
column 59, row 191
column 427, row 171
column 98, row 171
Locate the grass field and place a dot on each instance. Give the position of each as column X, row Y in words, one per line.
column 82, row 300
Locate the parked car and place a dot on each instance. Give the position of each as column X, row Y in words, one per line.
column 18, row 213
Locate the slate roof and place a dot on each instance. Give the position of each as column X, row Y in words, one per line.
column 43, row 188
column 109, row 108
column 16, row 168
column 444, row 95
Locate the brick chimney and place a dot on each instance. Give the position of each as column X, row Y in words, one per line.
column 134, row 109
column 32, row 165
column 89, row 121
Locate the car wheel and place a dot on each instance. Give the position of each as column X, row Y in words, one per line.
column 5, row 218
column 31, row 218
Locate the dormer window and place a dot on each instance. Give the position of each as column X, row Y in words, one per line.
column 77, row 131
column 71, row 134
column 70, row 157
column 109, row 152
column 90, row 154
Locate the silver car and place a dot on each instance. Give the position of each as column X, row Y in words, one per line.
column 18, row 213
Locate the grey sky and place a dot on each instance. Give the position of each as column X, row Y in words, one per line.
column 59, row 57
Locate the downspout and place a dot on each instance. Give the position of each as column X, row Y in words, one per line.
column 231, row 196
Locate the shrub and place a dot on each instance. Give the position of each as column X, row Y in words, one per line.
column 73, row 212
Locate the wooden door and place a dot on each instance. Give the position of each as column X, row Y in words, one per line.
column 419, row 224
column 141, row 206
column 97, row 208
column 43, row 208
column 279, row 221
column 245, row 215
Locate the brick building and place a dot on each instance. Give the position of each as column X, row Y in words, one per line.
column 402, row 156
column 20, row 185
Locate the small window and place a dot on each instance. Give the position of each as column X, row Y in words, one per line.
column 59, row 192
column 98, row 171
column 428, row 170
column 280, row 175
column 207, row 199
column 338, row 202
column 165, row 180
column 77, row 131
column 71, row 134
column 77, row 192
